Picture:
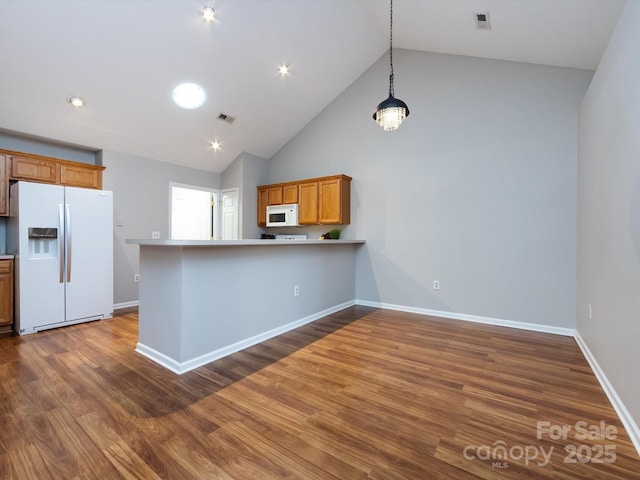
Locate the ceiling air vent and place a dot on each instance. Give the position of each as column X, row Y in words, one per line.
column 226, row 118
column 482, row 21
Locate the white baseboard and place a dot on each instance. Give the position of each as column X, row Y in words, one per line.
column 158, row 357
column 118, row 306
column 183, row 367
column 625, row 417
column 535, row 327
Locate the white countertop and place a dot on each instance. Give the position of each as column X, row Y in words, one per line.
column 236, row 243
column 5, row 256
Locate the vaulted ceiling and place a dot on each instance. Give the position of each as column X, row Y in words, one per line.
column 125, row 58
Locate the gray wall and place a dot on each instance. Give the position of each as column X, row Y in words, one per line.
column 476, row 189
column 192, row 316
column 10, row 141
column 246, row 172
column 141, row 203
column 608, row 274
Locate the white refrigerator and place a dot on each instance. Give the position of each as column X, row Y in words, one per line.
column 62, row 239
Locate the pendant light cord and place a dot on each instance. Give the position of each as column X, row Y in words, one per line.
column 391, row 92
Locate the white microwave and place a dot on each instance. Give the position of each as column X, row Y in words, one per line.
column 282, row 215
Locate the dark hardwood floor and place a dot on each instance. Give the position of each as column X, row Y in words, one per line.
column 360, row 394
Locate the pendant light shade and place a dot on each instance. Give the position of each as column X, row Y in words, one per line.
column 390, row 113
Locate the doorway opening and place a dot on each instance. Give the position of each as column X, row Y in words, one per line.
column 195, row 213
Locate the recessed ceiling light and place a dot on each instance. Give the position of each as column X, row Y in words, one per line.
column 216, row 145
column 76, row 101
column 283, row 70
column 208, row 14
column 189, row 96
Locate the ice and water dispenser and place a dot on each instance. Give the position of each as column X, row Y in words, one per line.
column 42, row 242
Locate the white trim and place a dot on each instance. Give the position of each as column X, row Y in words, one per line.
column 625, row 417
column 183, row 367
column 158, row 357
column 133, row 303
column 536, row 327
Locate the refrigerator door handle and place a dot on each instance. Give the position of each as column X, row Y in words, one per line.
column 69, row 243
column 61, row 241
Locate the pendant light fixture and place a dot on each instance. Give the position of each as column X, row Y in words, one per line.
column 391, row 112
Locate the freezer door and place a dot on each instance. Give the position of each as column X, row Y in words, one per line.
column 89, row 262
column 40, row 233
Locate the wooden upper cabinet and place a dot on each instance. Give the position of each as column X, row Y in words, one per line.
column 334, row 201
column 4, row 186
column 275, row 195
column 321, row 201
column 263, row 201
column 79, row 175
column 308, row 203
column 36, row 168
column 290, row 193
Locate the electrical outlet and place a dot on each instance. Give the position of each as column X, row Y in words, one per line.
column 590, row 311
column 155, row 235
column 436, row 284
column 296, row 291
column 136, row 277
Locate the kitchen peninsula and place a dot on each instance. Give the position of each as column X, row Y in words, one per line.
column 202, row 300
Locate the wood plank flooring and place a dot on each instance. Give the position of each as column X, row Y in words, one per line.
column 361, row 394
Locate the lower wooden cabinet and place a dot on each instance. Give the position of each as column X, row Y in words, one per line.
column 6, row 295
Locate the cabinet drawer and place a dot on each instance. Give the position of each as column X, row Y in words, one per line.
column 6, row 266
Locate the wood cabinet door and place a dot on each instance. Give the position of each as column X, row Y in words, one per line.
column 80, row 176
column 34, row 169
column 4, row 187
column 334, row 201
column 275, row 195
column 290, row 194
column 6, row 292
column 263, row 201
column 308, row 203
